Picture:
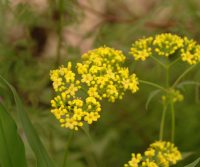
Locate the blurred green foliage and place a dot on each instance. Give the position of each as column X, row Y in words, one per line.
column 125, row 126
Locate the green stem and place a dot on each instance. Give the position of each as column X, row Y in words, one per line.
column 153, row 84
column 167, row 76
column 175, row 61
column 162, row 123
column 182, row 75
column 172, row 120
column 87, row 134
column 67, row 148
column 158, row 61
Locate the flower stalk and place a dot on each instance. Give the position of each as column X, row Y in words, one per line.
column 162, row 123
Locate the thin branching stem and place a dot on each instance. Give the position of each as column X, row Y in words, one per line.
column 174, row 62
column 183, row 75
column 87, row 134
column 172, row 120
column 162, row 123
column 153, row 85
column 158, row 61
column 167, row 76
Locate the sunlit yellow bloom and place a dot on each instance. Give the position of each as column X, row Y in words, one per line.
column 190, row 52
column 93, row 92
column 105, row 71
column 82, row 68
column 61, row 76
column 149, row 153
column 92, row 116
column 149, row 163
column 74, row 112
column 87, row 78
column 101, row 74
column 130, row 83
column 168, row 154
column 141, row 49
column 159, row 154
column 134, row 162
column 166, row 44
column 68, row 106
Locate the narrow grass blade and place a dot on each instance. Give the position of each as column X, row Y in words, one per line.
column 42, row 157
column 194, row 164
column 12, row 152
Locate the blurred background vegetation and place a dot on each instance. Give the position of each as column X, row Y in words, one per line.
column 39, row 35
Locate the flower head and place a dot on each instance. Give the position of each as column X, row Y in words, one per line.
column 62, row 77
column 78, row 93
column 141, row 49
column 71, row 109
column 159, row 154
column 167, row 153
column 190, row 53
column 102, row 70
column 166, row 45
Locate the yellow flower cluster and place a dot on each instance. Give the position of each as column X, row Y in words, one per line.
column 190, row 52
column 70, row 109
column 174, row 95
column 135, row 160
column 159, row 154
column 165, row 45
column 102, row 70
column 100, row 75
column 141, row 49
column 63, row 76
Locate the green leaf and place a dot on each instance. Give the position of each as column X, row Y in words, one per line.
column 12, row 152
column 42, row 157
column 194, row 164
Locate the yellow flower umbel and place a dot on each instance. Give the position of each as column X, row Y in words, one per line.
column 159, row 154
column 103, row 72
column 68, row 107
column 78, row 95
column 166, row 45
